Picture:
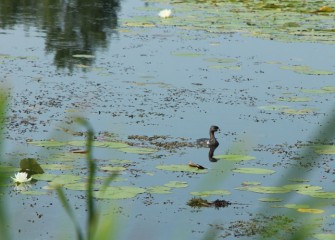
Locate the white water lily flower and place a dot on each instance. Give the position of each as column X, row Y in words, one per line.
column 21, row 177
column 165, row 13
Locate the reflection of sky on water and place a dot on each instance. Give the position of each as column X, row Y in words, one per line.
column 226, row 98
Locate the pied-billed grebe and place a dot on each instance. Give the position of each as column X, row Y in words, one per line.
column 212, row 143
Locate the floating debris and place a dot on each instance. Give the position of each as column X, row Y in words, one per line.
column 200, row 202
column 191, row 164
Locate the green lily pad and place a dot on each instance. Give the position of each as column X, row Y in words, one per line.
column 47, row 143
column 270, row 199
column 8, row 169
column 63, row 179
column 44, row 176
column 186, row 54
column 235, row 157
column 31, row 166
column 176, row 184
column 296, row 206
column 298, row 180
column 63, row 157
column 273, row 107
column 55, row 166
column 119, row 192
column 120, row 161
column 298, row 112
column 324, row 236
column 323, row 90
column 294, row 99
column 220, row 60
column 306, row 70
column 113, row 168
column 78, row 186
column 159, row 190
column 224, row 67
column 138, row 150
column 254, row 171
column 325, row 149
column 180, row 168
column 302, row 187
column 208, row 193
column 263, row 189
column 318, row 194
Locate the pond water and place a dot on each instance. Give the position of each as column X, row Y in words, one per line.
column 133, row 76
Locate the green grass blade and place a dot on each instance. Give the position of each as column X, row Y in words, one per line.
column 69, row 211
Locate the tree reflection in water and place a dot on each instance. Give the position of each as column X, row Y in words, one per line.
column 71, row 27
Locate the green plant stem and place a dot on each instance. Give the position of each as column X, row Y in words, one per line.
column 92, row 212
column 69, row 211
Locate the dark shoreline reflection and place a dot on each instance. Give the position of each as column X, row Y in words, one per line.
column 71, row 27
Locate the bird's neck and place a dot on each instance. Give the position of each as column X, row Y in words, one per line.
column 211, row 134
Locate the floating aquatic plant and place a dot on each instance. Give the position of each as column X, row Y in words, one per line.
column 21, row 177
column 118, row 192
column 253, row 171
column 180, row 168
column 210, row 192
column 166, row 13
column 235, row 157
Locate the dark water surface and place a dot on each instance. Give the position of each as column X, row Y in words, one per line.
column 79, row 58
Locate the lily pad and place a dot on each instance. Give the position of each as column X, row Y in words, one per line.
column 306, row 70
column 120, row 161
column 186, row 54
column 159, row 190
column 220, row 60
column 296, row 206
column 113, row 168
column 294, row 99
column 235, row 157
column 319, row 194
column 7, row 168
column 302, row 187
column 180, row 168
column 138, row 150
column 78, row 186
column 119, row 192
column 44, row 176
column 272, row 107
column 55, row 166
column 31, row 166
column 310, row 210
column 298, row 112
column 176, row 184
column 47, row 143
column 254, row 171
column 325, row 149
column 63, row 157
column 208, row 193
column 63, row 179
column 324, row 236
column 263, row 189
